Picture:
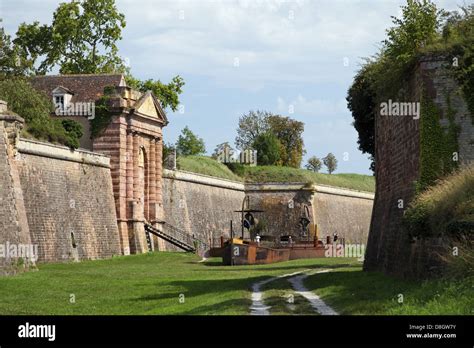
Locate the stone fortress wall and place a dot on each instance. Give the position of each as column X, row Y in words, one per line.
column 62, row 202
column 53, row 199
column 69, row 202
column 397, row 159
column 204, row 206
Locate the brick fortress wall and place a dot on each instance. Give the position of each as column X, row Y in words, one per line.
column 14, row 228
column 68, row 202
column 397, row 158
column 56, row 200
column 203, row 206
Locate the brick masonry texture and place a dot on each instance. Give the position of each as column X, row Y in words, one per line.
column 397, row 157
column 204, row 210
column 67, row 200
column 132, row 140
column 13, row 224
column 204, row 206
column 60, row 201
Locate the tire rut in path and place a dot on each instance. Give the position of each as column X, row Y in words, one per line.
column 296, row 280
column 258, row 307
column 319, row 305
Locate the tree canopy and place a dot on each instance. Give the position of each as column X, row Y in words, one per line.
column 314, row 164
column 330, row 162
column 422, row 29
column 189, row 143
column 81, row 39
column 268, row 149
column 289, row 133
column 251, row 125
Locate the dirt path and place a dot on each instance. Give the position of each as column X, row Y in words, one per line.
column 258, row 307
column 296, row 280
column 319, row 305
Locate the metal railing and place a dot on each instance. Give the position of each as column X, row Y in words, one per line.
column 178, row 237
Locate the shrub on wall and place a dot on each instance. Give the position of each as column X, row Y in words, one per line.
column 103, row 115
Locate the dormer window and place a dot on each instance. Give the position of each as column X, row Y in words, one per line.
column 61, row 98
column 59, row 101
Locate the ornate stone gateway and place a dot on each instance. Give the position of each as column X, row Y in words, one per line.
column 134, row 141
column 132, row 138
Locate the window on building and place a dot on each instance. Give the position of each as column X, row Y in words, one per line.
column 59, row 102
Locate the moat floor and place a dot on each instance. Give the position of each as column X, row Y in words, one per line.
column 177, row 283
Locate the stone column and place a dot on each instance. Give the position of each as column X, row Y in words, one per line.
column 159, row 187
column 159, row 178
column 137, row 206
column 124, row 225
column 129, row 171
column 139, row 228
column 152, row 180
column 136, row 150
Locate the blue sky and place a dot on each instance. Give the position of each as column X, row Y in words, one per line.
column 294, row 58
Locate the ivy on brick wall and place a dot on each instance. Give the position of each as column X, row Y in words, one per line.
column 103, row 116
column 438, row 144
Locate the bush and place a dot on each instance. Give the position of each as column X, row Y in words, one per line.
column 74, row 132
column 36, row 108
column 236, row 168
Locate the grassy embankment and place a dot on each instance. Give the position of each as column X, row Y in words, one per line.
column 208, row 166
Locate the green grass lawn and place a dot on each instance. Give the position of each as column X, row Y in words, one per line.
column 152, row 284
column 350, row 291
column 208, row 166
column 140, row 284
column 287, row 174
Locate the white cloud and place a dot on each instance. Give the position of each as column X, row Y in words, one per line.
column 313, row 108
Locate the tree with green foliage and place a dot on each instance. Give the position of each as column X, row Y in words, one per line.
column 361, row 103
column 81, row 38
column 288, row 131
column 36, row 108
column 11, row 63
column 168, row 149
column 74, row 131
column 414, row 30
column 386, row 75
column 268, row 149
column 330, row 162
column 189, row 144
column 314, row 164
column 223, row 148
column 251, row 125
column 168, row 94
column 290, row 134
